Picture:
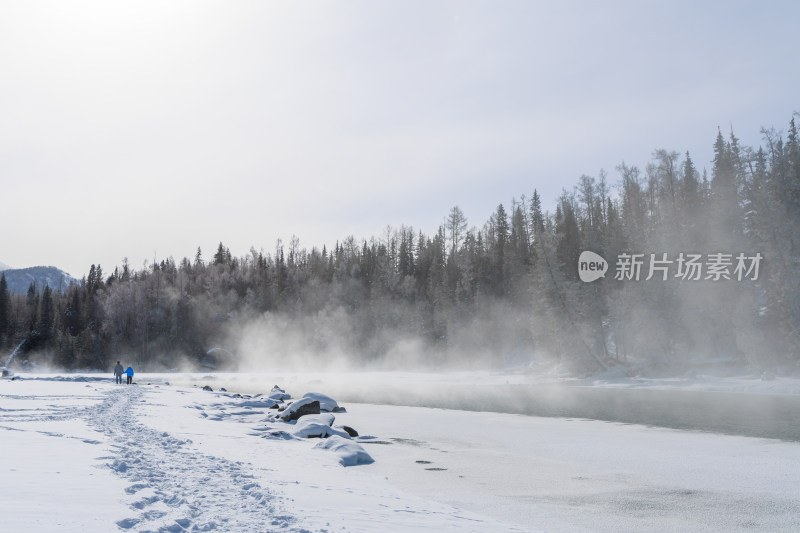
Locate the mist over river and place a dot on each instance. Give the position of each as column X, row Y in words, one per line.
column 744, row 410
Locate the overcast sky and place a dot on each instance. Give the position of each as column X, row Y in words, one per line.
column 147, row 129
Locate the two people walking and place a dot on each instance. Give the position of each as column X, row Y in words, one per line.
column 118, row 373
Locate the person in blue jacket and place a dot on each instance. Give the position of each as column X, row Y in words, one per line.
column 129, row 372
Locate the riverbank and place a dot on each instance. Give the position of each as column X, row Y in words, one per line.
column 83, row 454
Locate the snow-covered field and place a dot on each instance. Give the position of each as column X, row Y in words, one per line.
column 79, row 453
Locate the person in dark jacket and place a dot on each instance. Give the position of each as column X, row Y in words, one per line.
column 129, row 372
column 118, row 373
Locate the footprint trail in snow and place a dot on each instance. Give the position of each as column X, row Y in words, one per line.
column 174, row 488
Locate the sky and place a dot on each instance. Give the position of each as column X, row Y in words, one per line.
column 144, row 130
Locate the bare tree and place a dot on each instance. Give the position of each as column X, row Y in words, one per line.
column 456, row 226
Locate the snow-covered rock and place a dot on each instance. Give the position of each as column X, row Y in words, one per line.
column 302, row 407
column 350, row 431
column 326, row 403
column 278, row 394
column 350, row 453
column 317, row 426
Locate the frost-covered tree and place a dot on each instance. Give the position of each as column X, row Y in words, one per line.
column 508, row 286
column 5, row 309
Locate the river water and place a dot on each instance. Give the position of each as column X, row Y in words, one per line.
column 736, row 413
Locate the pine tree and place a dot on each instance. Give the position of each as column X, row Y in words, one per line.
column 518, row 239
column 500, row 233
column 46, row 315
column 536, row 217
column 32, row 304
column 5, row 309
column 223, row 255
column 668, row 185
column 568, row 233
column 724, row 205
column 691, row 187
column 72, row 315
column 792, row 180
column 406, row 252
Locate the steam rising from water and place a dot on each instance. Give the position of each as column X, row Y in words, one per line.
column 334, row 340
column 724, row 411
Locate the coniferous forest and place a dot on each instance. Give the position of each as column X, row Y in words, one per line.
column 501, row 293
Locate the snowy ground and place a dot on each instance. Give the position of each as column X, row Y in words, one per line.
column 83, row 454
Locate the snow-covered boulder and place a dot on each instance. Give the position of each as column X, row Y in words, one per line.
column 322, row 418
column 326, row 403
column 278, row 394
column 317, row 426
column 350, row 453
column 350, row 431
column 302, row 407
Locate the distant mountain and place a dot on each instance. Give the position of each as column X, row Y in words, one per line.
column 19, row 279
column 4, row 266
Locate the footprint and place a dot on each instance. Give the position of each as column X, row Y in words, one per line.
column 410, row 442
column 119, row 466
column 144, row 502
column 135, row 488
column 128, row 523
